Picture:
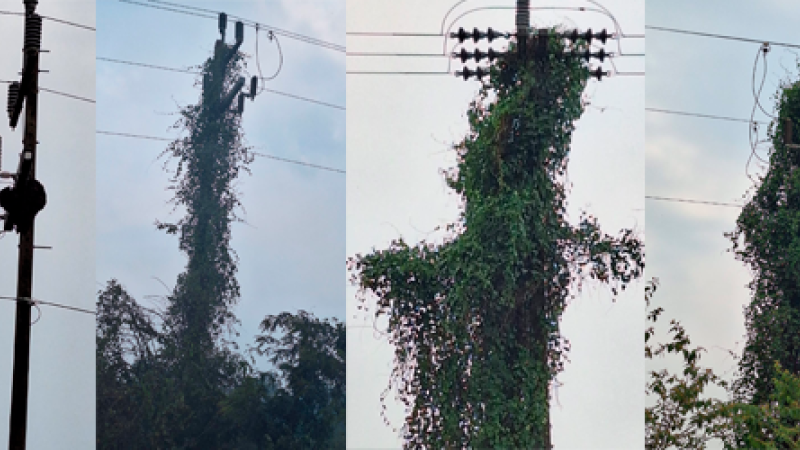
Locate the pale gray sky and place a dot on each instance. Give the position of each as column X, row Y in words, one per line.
column 62, row 387
column 399, row 131
column 702, row 285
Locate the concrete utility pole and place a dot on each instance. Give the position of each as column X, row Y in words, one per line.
column 523, row 25
column 22, row 202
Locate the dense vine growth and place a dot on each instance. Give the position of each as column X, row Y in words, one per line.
column 475, row 319
column 767, row 239
column 173, row 378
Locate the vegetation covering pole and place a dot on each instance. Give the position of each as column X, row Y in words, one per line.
column 475, row 319
column 767, row 239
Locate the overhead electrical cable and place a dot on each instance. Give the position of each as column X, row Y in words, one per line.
column 173, row 69
column 65, row 22
column 721, row 36
column 56, row 305
column 705, row 116
column 210, row 14
column 264, row 155
column 686, row 200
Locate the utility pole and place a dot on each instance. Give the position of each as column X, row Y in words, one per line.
column 22, row 202
column 531, row 54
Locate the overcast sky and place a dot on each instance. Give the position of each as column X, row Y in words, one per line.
column 399, row 133
column 62, row 372
column 291, row 247
column 702, row 285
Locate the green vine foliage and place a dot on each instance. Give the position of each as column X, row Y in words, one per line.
column 474, row 319
column 767, row 239
column 172, row 379
column 208, row 160
column 199, row 310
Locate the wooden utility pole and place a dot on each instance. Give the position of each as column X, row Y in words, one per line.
column 26, row 188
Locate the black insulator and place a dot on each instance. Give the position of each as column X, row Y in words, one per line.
column 253, row 86
column 239, row 32
column 478, row 73
column 463, row 55
column 602, row 36
column 588, row 36
column 223, row 24
column 240, row 107
column 461, row 35
column 13, row 97
column 476, row 35
column 492, row 55
column 598, row 73
column 601, row 55
column 479, row 55
column 492, row 35
column 574, row 36
column 33, row 32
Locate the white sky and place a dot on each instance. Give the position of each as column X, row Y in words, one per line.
column 62, row 379
column 291, row 247
column 702, row 285
column 399, row 132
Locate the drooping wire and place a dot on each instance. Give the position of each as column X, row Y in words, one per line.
column 35, row 304
column 258, row 60
column 757, row 95
column 753, row 129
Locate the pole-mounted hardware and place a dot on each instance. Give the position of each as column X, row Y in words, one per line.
column 476, row 35
column 251, row 95
column 223, row 23
column 478, row 73
column 22, row 202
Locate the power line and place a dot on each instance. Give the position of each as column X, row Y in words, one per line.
column 279, row 31
column 277, row 158
column 136, row 136
column 149, row 66
column 409, row 34
column 205, row 13
column 440, row 55
column 65, row 22
column 705, row 116
column 435, row 55
column 306, row 99
column 64, row 94
column 57, row 305
column 173, row 69
column 721, row 36
column 355, row 72
column 685, row 200
column 368, row 72
column 392, row 34
column 52, row 91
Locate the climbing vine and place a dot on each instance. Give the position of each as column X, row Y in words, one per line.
column 475, row 319
column 767, row 240
column 172, row 379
